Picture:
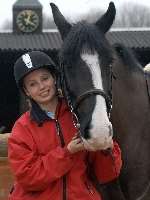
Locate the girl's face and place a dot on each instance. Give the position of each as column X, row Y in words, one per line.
column 40, row 86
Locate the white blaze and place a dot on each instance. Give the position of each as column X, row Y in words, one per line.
column 100, row 123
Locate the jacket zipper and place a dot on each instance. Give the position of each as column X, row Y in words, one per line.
column 60, row 134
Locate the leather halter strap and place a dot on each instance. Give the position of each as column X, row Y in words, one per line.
column 92, row 92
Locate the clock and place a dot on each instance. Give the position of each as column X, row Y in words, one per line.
column 27, row 21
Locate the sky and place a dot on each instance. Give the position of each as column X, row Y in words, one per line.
column 70, row 8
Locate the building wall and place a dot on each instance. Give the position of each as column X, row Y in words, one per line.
column 8, row 90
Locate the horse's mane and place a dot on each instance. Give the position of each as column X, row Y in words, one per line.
column 82, row 38
column 128, row 57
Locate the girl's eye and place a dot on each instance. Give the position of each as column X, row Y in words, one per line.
column 45, row 78
column 32, row 84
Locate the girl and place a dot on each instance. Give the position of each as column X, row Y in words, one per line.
column 48, row 159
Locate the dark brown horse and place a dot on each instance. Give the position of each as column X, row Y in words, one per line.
column 87, row 60
column 131, row 123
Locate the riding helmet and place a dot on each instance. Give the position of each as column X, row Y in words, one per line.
column 31, row 61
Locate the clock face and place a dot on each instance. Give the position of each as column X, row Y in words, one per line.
column 27, row 21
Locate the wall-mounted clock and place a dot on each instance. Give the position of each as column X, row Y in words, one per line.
column 27, row 21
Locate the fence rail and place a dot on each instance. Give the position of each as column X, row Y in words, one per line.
column 3, row 144
column 6, row 177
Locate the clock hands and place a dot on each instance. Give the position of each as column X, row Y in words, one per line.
column 28, row 20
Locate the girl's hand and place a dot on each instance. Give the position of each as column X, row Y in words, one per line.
column 94, row 144
column 75, row 145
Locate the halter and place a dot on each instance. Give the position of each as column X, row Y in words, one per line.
column 91, row 93
column 63, row 89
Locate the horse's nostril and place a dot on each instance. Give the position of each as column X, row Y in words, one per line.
column 110, row 130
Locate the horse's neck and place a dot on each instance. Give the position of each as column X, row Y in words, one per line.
column 130, row 109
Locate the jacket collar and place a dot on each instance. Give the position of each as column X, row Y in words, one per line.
column 38, row 115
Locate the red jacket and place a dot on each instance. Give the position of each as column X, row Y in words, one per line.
column 40, row 164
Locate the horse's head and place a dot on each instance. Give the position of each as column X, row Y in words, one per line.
column 85, row 57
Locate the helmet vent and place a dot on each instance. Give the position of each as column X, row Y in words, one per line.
column 27, row 60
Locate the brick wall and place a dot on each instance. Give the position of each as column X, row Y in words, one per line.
column 6, row 178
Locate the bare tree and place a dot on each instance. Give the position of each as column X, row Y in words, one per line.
column 133, row 15
column 48, row 22
column 7, row 25
column 128, row 15
column 91, row 16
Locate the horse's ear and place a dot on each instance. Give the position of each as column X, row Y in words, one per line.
column 106, row 21
column 60, row 21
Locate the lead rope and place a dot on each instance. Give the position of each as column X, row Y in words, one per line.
column 110, row 150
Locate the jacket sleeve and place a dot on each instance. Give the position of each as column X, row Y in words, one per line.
column 106, row 165
column 33, row 171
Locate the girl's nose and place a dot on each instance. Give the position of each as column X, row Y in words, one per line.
column 41, row 85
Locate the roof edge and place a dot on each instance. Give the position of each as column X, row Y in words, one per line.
column 130, row 29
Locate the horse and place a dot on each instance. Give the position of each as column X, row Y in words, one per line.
column 91, row 68
column 131, row 122
column 86, row 76
column 85, row 59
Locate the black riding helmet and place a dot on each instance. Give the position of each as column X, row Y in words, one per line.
column 32, row 61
